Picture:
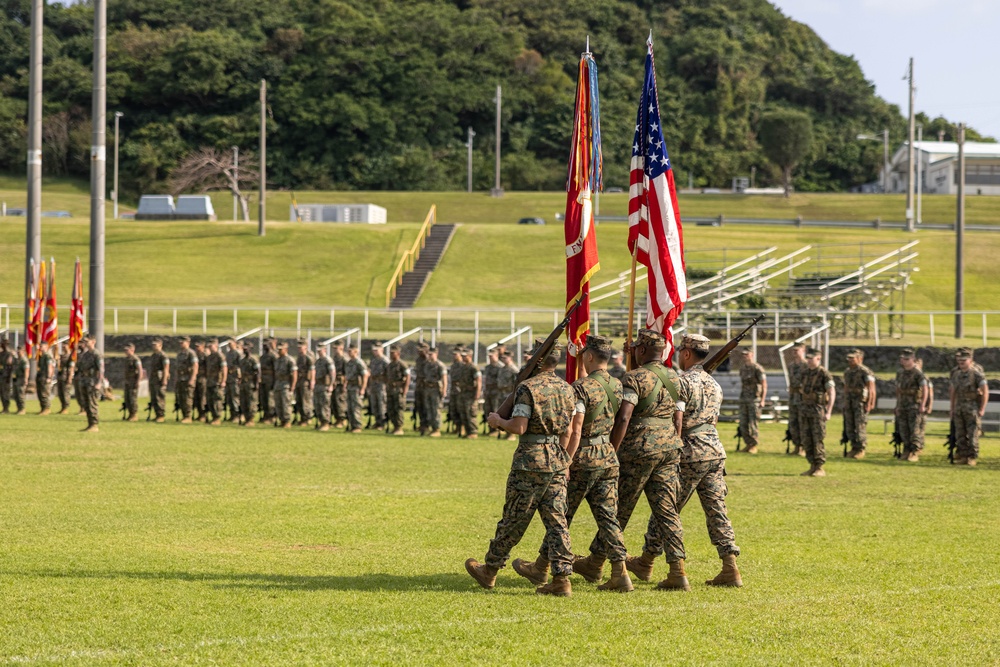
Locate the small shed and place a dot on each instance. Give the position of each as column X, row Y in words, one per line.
column 194, row 207
column 361, row 213
column 155, row 207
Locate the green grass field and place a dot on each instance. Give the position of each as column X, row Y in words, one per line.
column 157, row 545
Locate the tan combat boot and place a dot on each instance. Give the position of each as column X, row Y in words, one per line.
column 808, row 473
column 537, row 572
column 324, row 428
column 160, row 420
column 21, row 412
column 134, row 418
column 676, row 579
column 970, row 462
column 398, row 431
column 435, row 434
column 730, row 575
column 484, row 575
column 818, row 472
column 752, row 449
column 912, row 457
column 619, row 581
column 64, row 411
column 641, row 566
column 857, row 454
column 801, row 451
column 186, row 420
column 215, row 422
column 589, row 567
column 559, row 587
column 46, row 411
column 91, row 429
column 250, row 424
column 472, row 436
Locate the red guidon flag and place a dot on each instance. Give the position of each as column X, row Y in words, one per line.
column 50, row 325
column 76, row 311
column 585, row 166
column 654, row 221
column 30, row 330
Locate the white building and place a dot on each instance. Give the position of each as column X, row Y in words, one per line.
column 938, row 162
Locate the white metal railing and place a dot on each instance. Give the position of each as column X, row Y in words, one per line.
column 341, row 336
column 404, row 336
column 812, row 334
column 516, row 334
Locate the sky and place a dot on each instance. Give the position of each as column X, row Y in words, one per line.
column 955, row 45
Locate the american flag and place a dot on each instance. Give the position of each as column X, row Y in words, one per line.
column 654, row 221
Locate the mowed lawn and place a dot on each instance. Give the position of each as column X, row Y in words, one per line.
column 165, row 544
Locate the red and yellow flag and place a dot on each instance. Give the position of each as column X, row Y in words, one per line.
column 76, row 311
column 585, row 179
column 50, row 326
column 30, row 331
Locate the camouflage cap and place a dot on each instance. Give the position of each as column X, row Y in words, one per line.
column 185, row 339
column 798, row 346
column 812, row 352
column 907, row 353
column 855, row 353
column 128, row 345
column 457, row 348
column 394, row 348
column 650, row 338
column 302, row 342
column 248, row 344
column 338, row 343
column 695, row 342
column 3, row 340
column 432, row 349
column 963, row 353
column 423, row 346
column 213, row 341
column 554, row 352
column 157, row 340
column 353, row 346
column 282, row 344
column 600, row 344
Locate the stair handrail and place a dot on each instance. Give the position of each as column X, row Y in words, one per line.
column 410, row 257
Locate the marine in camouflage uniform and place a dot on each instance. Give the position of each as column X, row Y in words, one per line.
column 455, row 372
column 187, row 376
column 78, row 390
column 19, row 379
column 233, row 370
column 339, row 396
column 753, row 390
column 926, row 408
column 796, row 371
column 250, row 379
column 159, row 376
column 491, row 398
column 64, row 379
column 200, row 396
column 133, row 376
column 593, row 473
column 306, row 364
column 617, row 369
column 267, row 359
column 418, row 388
column 703, row 459
column 506, row 381
column 44, row 374
column 911, row 388
column 818, row 395
column 649, row 454
column 434, row 385
column 859, row 399
column 376, row 385
column 969, row 395
column 323, row 390
column 356, row 374
column 285, row 377
column 90, row 366
column 7, row 359
column 468, row 387
column 216, row 371
column 543, row 408
column 398, row 384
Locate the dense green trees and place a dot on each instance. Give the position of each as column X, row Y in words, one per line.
column 378, row 93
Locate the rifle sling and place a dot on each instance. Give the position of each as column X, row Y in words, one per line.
column 663, row 379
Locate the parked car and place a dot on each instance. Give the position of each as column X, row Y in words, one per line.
column 531, row 221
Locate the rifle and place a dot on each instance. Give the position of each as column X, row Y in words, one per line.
column 951, row 443
column 528, row 370
column 177, row 409
column 739, row 437
column 844, row 439
column 897, row 440
column 716, row 359
column 788, row 441
column 149, row 411
column 124, row 410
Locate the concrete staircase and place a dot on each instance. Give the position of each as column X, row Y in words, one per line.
column 415, row 281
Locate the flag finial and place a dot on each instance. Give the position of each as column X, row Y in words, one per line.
column 587, row 50
column 649, row 40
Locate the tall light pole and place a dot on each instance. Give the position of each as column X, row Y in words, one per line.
column 468, row 145
column 118, row 115
column 497, row 191
column 909, row 159
column 236, row 177
column 920, row 174
column 33, row 244
column 960, row 237
column 883, row 136
column 263, row 156
column 98, row 173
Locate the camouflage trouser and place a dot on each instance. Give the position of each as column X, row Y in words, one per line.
column 794, row 409
column 490, row 402
column 93, row 401
column 5, row 393
column 659, row 477
column 158, row 397
column 233, row 400
column 431, row 412
column 910, row 431
column 528, row 491
column 80, row 393
column 266, row 393
column 921, row 430
column 185, row 395
column 600, row 489
column 396, row 407
column 708, row 478
column 377, row 400
column 131, row 400
column 303, row 401
column 248, row 402
column 214, row 394
column 749, row 421
column 856, row 422
column 339, row 405
column 199, row 398
column 321, row 403
column 465, row 412
column 812, row 428
column 18, row 391
column 355, row 403
column 282, row 403
column 418, row 405
column 43, row 392
column 967, row 424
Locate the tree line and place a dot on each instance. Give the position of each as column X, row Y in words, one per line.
column 377, row 94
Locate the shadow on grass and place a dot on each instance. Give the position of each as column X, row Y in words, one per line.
column 378, row 581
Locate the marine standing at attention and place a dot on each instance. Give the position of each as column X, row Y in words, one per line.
column 818, row 396
column 159, row 376
column 753, row 394
column 859, row 400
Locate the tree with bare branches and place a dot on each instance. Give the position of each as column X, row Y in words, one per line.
column 210, row 169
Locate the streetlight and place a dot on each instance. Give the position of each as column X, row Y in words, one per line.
column 118, row 115
column 920, row 177
column 236, row 177
column 884, row 138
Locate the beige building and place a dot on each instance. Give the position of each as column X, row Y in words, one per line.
column 938, row 162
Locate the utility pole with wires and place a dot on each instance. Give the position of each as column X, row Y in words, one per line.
column 98, row 173
column 497, row 191
column 33, row 214
column 263, row 157
column 960, row 237
column 909, row 160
